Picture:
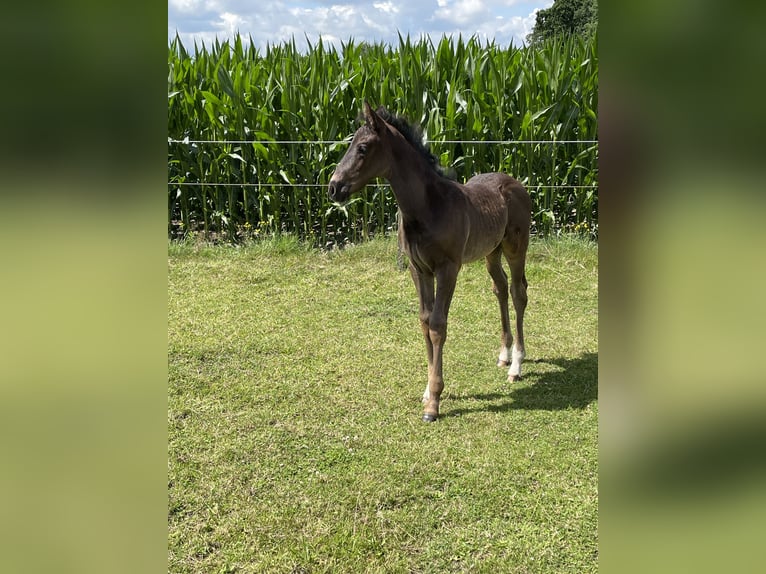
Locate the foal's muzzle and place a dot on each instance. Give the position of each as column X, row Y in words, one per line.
column 338, row 191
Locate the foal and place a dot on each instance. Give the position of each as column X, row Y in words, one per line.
column 443, row 225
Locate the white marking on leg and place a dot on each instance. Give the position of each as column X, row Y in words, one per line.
column 514, row 373
column 502, row 360
column 426, row 395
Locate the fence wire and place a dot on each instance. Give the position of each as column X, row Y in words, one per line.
column 347, row 141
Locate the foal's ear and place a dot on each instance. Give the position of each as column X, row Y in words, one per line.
column 371, row 119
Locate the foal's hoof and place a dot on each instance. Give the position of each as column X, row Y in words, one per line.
column 514, row 378
column 429, row 418
column 503, row 364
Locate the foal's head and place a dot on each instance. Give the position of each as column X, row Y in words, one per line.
column 366, row 159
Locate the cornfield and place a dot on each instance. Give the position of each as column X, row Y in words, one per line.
column 254, row 137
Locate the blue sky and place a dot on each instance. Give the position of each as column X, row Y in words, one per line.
column 505, row 21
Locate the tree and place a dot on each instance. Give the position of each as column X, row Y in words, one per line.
column 564, row 18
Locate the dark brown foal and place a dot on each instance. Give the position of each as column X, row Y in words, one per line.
column 443, row 225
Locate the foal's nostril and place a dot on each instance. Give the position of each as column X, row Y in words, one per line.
column 335, row 190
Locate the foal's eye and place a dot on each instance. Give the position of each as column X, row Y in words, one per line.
column 361, row 150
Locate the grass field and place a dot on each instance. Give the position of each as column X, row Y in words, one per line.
column 295, row 439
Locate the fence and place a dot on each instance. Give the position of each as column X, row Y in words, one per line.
column 237, row 189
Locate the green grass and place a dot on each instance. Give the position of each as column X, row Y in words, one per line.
column 295, row 439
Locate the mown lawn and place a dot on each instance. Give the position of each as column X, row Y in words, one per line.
column 295, row 440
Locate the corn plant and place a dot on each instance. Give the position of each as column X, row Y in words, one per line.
column 461, row 91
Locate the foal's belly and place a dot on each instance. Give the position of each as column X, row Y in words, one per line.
column 485, row 224
column 481, row 243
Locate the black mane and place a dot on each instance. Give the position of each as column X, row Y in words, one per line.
column 414, row 134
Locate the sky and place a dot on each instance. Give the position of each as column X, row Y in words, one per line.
column 504, row 21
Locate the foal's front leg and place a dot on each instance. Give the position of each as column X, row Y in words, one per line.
column 424, row 283
column 446, row 278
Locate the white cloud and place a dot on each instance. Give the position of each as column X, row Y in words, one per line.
column 185, row 6
column 461, row 12
column 195, row 6
column 388, row 7
column 231, row 23
column 362, row 20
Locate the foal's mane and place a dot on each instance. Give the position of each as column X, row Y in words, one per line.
column 413, row 133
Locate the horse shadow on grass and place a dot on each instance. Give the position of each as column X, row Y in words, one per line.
column 548, row 384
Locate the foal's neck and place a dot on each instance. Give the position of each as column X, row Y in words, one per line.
column 410, row 176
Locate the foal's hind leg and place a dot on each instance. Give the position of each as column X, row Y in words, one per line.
column 500, row 289
column 517, row 261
